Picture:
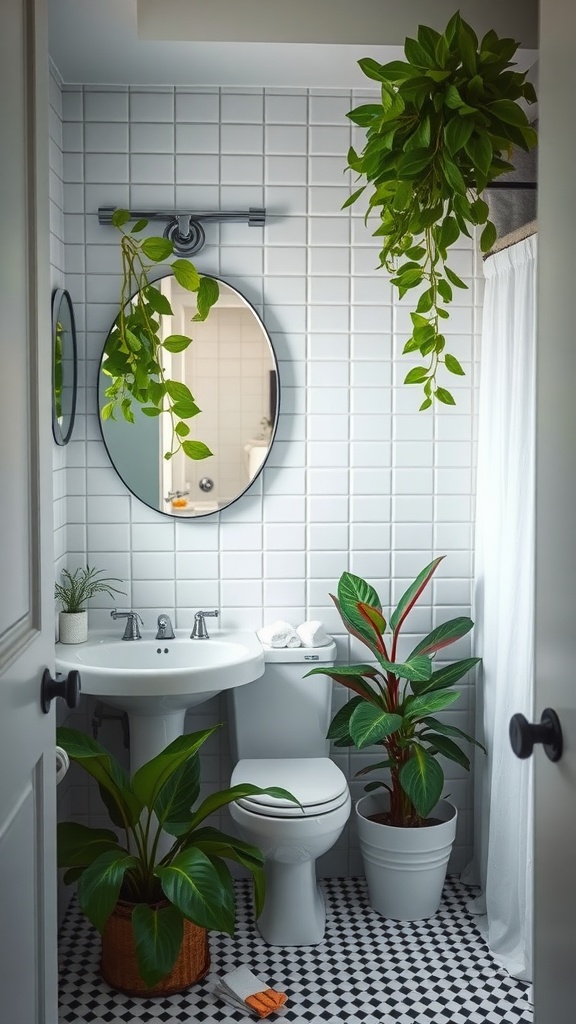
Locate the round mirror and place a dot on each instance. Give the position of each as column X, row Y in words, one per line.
column 64, row 366
column 232, row 373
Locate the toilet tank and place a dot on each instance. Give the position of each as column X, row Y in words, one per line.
column 281, row 714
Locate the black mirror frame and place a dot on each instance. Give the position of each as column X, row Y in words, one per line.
column 275, row 392
column 59, row 296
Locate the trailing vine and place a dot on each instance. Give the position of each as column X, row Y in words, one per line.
column 134, row 347
column 442, row 131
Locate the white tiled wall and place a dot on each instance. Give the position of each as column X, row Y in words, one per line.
column 357, row 478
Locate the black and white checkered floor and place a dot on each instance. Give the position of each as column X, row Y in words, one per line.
column 367, row 970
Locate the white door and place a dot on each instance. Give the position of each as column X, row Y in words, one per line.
column 555, row 839
column 28, row 976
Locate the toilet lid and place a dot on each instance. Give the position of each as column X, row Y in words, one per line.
column 316, row 782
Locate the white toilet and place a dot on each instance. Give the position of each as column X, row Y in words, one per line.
column 278, row 730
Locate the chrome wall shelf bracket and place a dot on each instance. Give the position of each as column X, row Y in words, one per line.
column 184, row 227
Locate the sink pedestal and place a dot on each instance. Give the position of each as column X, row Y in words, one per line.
column 150, row 733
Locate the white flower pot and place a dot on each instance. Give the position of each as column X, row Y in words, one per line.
column 73, row 627
column 405, row 867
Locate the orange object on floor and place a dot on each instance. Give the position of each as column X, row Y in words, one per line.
column 267, row 1002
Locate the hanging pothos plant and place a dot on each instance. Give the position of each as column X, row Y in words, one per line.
column 443, row 129
column 133, row 354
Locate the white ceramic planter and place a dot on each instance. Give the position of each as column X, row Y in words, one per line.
column 405, row 867
column 73, row 627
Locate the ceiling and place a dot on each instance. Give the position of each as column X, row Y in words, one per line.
column 147, row 42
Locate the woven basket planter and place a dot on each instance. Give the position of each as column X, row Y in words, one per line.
column 119, row 968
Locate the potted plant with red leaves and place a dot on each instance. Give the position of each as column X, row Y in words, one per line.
column 406, row 830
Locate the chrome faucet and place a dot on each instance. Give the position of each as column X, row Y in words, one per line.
column 165, row 631
column 132, row 630
column 199, row 631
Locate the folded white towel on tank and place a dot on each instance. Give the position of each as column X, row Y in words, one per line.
column 313, row 634
column 279, row 634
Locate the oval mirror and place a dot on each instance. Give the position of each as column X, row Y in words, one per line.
column 232, row 372
column 64, row 366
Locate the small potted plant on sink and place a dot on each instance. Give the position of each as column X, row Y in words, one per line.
column 76, row 589
column 406, row 830
column 153, row 906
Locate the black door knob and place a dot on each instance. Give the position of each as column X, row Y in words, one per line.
column 68, row 688
column 523, row 735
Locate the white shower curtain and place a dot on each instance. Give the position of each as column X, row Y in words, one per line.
column 504, row 601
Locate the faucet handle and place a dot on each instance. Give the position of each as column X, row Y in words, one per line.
column 132, row 631
column 199, row 631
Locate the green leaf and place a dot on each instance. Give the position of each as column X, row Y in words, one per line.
column 192, row 883
column 151, row 410
column 352, row 591
column 411, row 595
column 422, row 779
column 447, row 676
column 371, row 68
column 488, row 237
column 158, row 301
column 444, row 396
column 413, row 162
column 377, row 767
column 352, row 199
column 479, row 149
column 120, row 217
column 158, row 939
column 139, row 226
column 451, row 730
column 443, row 635
column 457, row 133
column 186, row 274
column 182, row 429
column 115, row 789
column 196, row 450
column 397, row 71
column 176, row 342
column 452, row 365
column 454, row 177
column 369, row 724
column 340, row 724
column 446, row 747
column 449, row 232
column 185, row 410
column 208, row 293
column 173, row 804
column 227, row 796
column 149, row 780
column 453, row 278
column 79, row 845
column 416, row 669
column 509, row 112
column 179, row 391
column 350, row 676
column 157, row 249
column 416, row 54
column 428, row 703
column 216, row 844
column 416, row 375
column 453, row 98
column 99, row 885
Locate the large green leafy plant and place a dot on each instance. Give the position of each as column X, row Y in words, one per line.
column 191, row 880
column 396, row 702
column 442, row 131
column 133, row 354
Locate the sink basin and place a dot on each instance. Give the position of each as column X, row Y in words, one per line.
column 156, row 681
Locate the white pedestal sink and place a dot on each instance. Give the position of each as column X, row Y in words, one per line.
column 156, row 681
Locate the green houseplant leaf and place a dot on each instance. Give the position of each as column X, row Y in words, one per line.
column 395, row 701
column 191, row 879
column 439, row 134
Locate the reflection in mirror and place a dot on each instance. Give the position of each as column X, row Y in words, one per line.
column 64, row 366
column 231, row 370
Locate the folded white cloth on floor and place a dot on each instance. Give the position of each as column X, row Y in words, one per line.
column 313, row 634
column 244, row 990
column 279, row 634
